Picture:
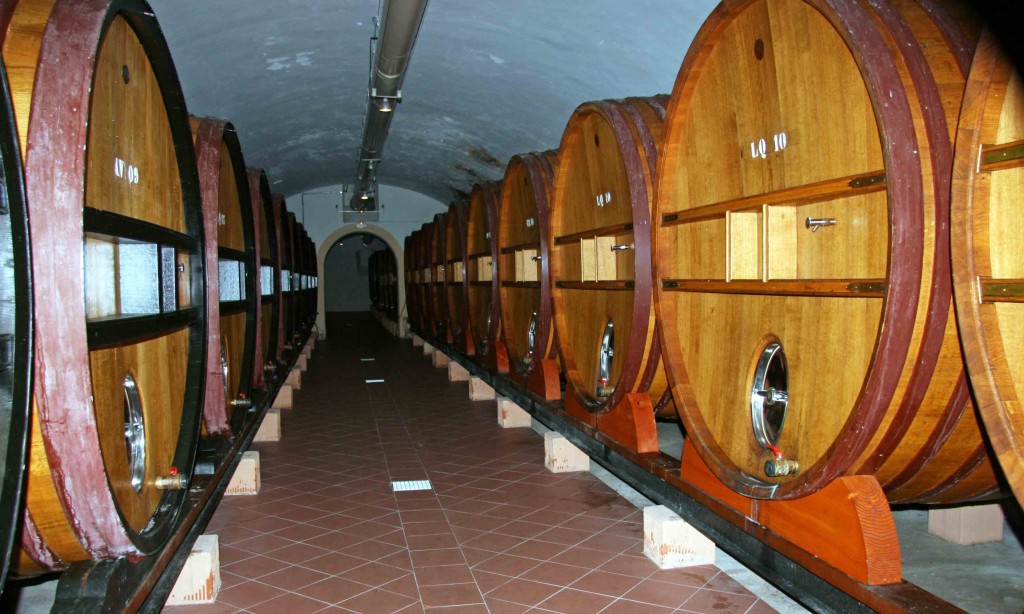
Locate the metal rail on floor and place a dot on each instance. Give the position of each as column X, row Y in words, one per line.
column 143, row 585
column 821, row 589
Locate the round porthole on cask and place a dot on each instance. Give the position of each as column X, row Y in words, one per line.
column 230, row 250
column 439, row 325
column 15, row 328
column 523, row 271
column 988, row 266
column 601, row 275
column 483, row 306
column 803, row 282
column 267, row 312
column 119, row 279
column 455, row 277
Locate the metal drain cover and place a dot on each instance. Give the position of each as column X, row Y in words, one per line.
column 411, row 485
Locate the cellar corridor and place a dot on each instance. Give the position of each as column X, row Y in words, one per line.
column 499, row 533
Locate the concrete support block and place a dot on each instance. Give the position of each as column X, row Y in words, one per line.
column 417, row 341
column 307, row 350
column 671, row 542
column 969, row 524
column 560, row 456
column 284, row 397
column 294, row 378
column 302, row 362
column 479, row 390
column 427, row 349
column 511, row 416
column 440, row 359
column 246, row 479
column 199, row 580
column 270, row 428
column 457, row 373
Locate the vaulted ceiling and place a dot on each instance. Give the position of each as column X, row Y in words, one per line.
column 488, row 79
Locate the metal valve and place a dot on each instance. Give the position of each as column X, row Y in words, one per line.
column 536, row 258
column 624, row 246
column 172, row 481
column 814, row 223
column 242, row 403
column 780, row 467
column 269, row 367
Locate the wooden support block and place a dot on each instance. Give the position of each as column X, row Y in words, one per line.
column 969, row 524
column 511, row 416
column 560, row 456
column 479, row 390
column 417, row 341
column 671, row 542
column 544, row 382
column 631, row 423
column 199, row 580
column 457, row 373
column 307, row 350
column 301, row 363
column 246, row 479
column 439, row 359
column 294, row 379
column 284, row 397
column 427, row 349
column 270, row 428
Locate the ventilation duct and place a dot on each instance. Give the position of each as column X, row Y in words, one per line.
column 400, row 23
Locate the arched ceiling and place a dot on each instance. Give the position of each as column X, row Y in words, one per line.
column 488, row 79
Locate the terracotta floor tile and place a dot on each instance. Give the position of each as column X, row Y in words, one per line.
column 297, row 553
column 760, row 607
column 290, row 603
column 334, row 589
column 370, row 550
column 423, row 516
column 584, row 557
column 535, row 549
column 630, row 565
column 519, row 528
column 292, row 578
column 624, row 606
column 263, row 544
column 256, row 566
column 444, row 574
column 476, row 608
column 427, row 528
column 204, row 608
column 377, row 601
column 660, row 593
column 405, row 585
column 507, row 565
column 450, row 595
column 499, row 606
column 431, row 542
column 571, row 601
column 249, row 594
column 399, row 559
column 524, row 592
column 374, row 574
column 704, row 600
column 555, row 573
column 690, row 576
column 495, row 542
column 611, row 584
column 334, row 563
column 722, row 582
column 564, row 535
column 431, row 558
column 611, row 543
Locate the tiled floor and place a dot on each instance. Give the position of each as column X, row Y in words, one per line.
column 499, row 533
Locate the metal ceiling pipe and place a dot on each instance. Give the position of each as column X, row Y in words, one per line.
column 400, row 24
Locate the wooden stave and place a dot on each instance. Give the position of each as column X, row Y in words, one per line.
column 266, row 311
column 408, row 261
column 983, row 325
column 439, row 325
column 289, row 265
column 636, row 125
column 279, row 210
column 484, row 306
column 456, row 293
column 426, row 276
column 898, row 480
column 100, row 529
column 15, row 320
column 211, row 135
column 538, row 169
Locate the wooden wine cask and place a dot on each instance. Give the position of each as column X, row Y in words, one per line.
column 411, row 281
column 455, row 277
column 119, row 279
column 392, row 288
column 279, row 211
column 988, row 265
column 230, row 251
column 601, row 253
column 483, row 305
column 523, row 272
column 307, row 307
column 426, row 279
column 439, row 326
column 15, row 329
column 803, row 272
column 266, row 257
column 297, row 279
column 289, row 264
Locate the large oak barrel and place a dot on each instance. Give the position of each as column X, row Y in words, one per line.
column 988, row 264
column 439, row 325
column 455, row 277
column 279, row 212
column 803, row 267
column 289, row 264
column 523, row 271
column 266, row 275
column 410, row 260
column 483, row 305
column 119, row 278
column 601, row 252
column 231, row 275
column 426, row 249
column 15, row 328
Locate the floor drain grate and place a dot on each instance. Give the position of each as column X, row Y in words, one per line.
column 411, row 485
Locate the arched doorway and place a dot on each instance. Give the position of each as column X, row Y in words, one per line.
column 344, row 285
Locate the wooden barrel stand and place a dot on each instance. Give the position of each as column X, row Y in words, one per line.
column 482, row 259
